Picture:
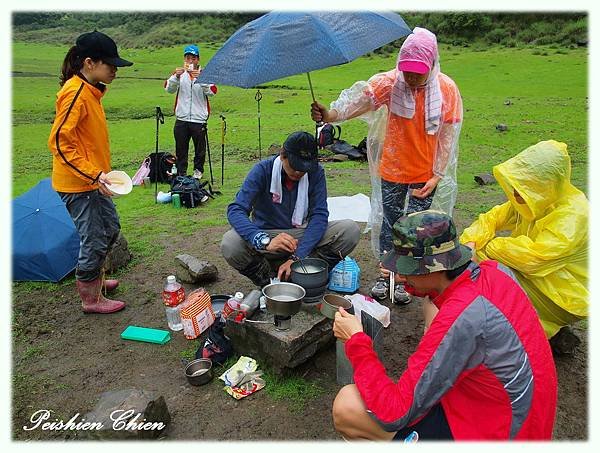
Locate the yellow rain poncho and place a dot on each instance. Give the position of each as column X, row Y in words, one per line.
column 548, row 245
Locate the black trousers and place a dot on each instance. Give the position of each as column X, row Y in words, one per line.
column 183, row 131
column 97, row 223
column 433, row 426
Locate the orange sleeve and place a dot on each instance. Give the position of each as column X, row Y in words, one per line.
column 381, row 87
column 63, row 140
column 452, row 111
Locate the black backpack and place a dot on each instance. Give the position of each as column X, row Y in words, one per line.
column 327, row 134
column 191, row 192
column 165, row 164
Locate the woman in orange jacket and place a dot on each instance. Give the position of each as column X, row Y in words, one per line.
column 81, row 159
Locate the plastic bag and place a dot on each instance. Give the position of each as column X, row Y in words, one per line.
column 345, row 276
column 369, row 305
column 142, row 172
column 217, row 346
column 243, row 378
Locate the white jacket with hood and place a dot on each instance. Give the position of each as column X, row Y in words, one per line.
column 191, row 103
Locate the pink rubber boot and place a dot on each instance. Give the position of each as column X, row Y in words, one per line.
column 92, row 300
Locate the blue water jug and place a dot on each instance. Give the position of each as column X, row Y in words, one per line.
column 345, row 276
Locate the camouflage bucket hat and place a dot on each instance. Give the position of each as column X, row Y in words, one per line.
column 425, row 242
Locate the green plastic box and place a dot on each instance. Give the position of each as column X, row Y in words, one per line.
column 146, row 334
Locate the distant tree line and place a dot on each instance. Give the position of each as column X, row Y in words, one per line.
column 156, row 29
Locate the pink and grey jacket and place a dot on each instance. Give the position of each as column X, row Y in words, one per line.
column 485, row 358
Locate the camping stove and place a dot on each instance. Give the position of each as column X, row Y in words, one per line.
column 283, row 301
column 282, row 322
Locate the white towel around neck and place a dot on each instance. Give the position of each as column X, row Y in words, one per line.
column 403, row 101
column 301, row 208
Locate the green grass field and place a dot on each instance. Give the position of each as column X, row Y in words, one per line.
column 547, row 89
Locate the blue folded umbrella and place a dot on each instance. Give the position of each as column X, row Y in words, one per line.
column 45, row 243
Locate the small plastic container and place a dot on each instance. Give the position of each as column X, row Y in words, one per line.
column 174, row 170
column 176, row 200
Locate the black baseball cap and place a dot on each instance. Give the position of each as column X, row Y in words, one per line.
column 301, row 151
column 97, row 45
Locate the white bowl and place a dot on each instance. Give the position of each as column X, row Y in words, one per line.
column 120, row 183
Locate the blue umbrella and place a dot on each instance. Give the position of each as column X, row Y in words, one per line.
column 280, row 44
column 45, row 243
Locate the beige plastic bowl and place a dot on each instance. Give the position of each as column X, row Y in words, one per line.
column 120, row 183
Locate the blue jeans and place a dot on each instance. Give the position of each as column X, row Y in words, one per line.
column 394, row 197
column 97, row 222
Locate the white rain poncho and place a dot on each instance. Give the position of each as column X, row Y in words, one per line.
column 388, row 106
column 548, row 245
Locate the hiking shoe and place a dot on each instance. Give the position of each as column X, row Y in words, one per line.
column 381, row 289
column 197, row 174
column 401, row 297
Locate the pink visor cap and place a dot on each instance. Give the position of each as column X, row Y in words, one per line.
column 413, row 66
column 419, row 51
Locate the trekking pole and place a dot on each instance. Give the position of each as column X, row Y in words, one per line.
column 159, row 118
column 317, row 123
column 208, row 151
column 223, row 132
column 258, row 97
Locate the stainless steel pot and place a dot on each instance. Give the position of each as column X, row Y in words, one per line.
column 199, row 371
column 331, row 303
column 283, row 298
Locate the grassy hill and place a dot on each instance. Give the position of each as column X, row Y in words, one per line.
column 152, row 30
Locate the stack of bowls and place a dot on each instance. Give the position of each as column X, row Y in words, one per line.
column 313, row 275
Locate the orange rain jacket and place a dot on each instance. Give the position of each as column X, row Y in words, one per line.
column 79, row 137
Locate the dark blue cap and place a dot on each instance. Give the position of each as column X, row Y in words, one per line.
column 301, row 151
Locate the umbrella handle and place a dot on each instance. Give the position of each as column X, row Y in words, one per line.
column 311, row 87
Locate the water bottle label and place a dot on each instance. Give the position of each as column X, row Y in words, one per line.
column 229, row 308
column 173, row 298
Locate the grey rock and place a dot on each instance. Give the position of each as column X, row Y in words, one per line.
column 136, row 415
column 340, row 158
column 501, row 127
column 192, row 270
column 484, row 179
column 119, row 255
column 565, row 342
column 310, row 332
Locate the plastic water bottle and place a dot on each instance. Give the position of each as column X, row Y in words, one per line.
column 232, row 305
column 174, row 318
column 173, row 294
column 174, row 170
